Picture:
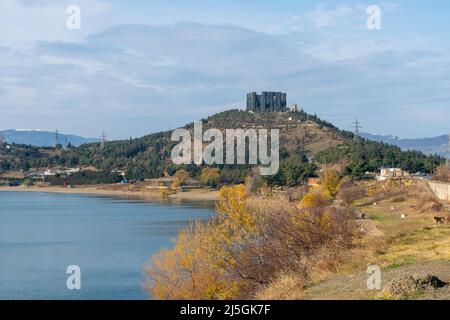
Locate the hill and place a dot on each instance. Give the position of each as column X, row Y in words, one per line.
column 305, row 142
column 40, row 138
column 434, row 145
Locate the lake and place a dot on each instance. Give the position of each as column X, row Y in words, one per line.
column 110, row 239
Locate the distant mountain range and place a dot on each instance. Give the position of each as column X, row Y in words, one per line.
column 40, row 138
column 435, row 145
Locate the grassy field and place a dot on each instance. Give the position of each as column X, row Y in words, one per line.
column 400, row 247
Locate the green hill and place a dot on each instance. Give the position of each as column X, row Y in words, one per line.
column 305, row 141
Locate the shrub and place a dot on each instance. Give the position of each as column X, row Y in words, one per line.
column 27, row 183
column 442, row 174
column 284, row 287
column 179, row 178
column 210, row 176
column 315, row 199
column 247, row 246
column 398, row 199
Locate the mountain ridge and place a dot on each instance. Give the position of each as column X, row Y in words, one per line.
column 42, row 138
column 429, row 145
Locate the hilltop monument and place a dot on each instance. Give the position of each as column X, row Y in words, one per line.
column 266, row 102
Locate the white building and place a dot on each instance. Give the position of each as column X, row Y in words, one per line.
column 391, row 173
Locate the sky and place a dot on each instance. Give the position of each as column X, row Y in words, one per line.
column 136, row 67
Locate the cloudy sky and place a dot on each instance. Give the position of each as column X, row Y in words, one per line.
column 137, row 67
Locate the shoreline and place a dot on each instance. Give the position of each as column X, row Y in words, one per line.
column 103, row 190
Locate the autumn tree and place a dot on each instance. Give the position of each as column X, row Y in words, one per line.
column 210, row 176
column 179, row 178
column 246, row 246
column 315, row 199
column 330, row 182
column 199, row 266
column 193, row 269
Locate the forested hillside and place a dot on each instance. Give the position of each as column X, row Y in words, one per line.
column 305, row 142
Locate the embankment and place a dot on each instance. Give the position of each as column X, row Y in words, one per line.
column 145, row 194
column 440, row 189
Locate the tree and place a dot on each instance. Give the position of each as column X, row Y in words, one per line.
column 198, row 265
column 246, row 246
column 179, row 178
column 210, row 176
column 330, row 182
column 27, row 183
column 315, row 200
column 191, row 270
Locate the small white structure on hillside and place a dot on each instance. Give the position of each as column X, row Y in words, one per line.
column 392, row 173
column 294, row 107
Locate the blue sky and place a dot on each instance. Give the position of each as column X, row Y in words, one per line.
column 137, row 67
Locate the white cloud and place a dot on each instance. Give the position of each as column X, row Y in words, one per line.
column 134, row 79
column 322, row 17
column 25, row 21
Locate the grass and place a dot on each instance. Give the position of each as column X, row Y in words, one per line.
column 406, row 245
column 420, row 246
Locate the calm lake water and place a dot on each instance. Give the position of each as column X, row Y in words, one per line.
column 110, row 239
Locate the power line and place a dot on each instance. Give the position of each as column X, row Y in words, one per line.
column 103, row 139
column 56, row 137
column 356, row 128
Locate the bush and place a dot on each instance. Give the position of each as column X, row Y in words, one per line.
column 210, row 176
column 247, row 246
column 284, row 287
column 330, row 182
column 27, row 183
column 398, row 199
column 179, row 179
column 315, row 200
column 442, row 174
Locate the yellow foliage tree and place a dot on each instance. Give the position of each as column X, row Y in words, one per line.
column 192, row 269
column 210, row 176
column 247, row 245
column 235, row 221
column 198, row 266
column 315, row 200
column 330, row 182
column 179, row 178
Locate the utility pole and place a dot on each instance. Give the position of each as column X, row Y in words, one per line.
column 2, row 139
column 356, row 128
column 56, row 137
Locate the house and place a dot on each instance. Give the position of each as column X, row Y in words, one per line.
column 72, row 170
column 50, row 172
column 391, row 173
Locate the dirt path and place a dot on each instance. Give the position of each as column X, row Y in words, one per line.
column 354, row 286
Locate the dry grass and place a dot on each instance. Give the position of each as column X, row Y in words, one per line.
column 430, row 244
column 285, row 287
column 399, row 245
